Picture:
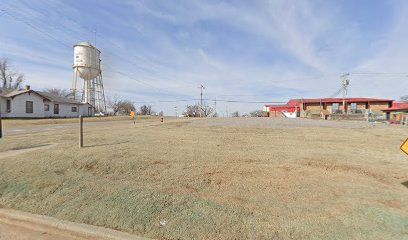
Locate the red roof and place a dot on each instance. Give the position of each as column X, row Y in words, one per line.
column 290, row 103
column 398, row 106
column 340, row 100
column 296, row 102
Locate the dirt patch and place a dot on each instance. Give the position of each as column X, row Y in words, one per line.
column 347, row 169
column 19, row 225
column 21, row 150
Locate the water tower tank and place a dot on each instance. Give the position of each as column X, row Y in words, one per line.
column 86, row 60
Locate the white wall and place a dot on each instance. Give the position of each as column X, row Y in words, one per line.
column 18, row 106
column 3, row 107
column 83, row 110
column 65, row 110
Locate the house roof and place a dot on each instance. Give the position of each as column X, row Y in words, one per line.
column 59, row 99
column 4, row 91
column 9, row 93
column 395, row 109
column 296, row 102
column 340, row 100
column 397, row 106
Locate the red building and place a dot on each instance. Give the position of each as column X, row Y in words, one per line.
column 397, row 113
column 326, row 106
column 276, row 110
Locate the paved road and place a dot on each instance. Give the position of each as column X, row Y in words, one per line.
column 12, row 232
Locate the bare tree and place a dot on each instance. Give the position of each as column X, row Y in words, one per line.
column 404, row 98
column 235, row 114
column 125, row 107
column 146, row 110
column 113, row 103
column 256, row 113
column 206, row 110
column 196, row 109
column 192, row 111
column 8, row 77
column 57, row 91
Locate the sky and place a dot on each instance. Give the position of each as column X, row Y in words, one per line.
column 245, row 53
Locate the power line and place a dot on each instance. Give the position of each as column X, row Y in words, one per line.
column 240, row 101
column 380, row 73
column 55, row 39
column 35, row 28
column 205, row 99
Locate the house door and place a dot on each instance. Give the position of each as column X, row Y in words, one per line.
column 89, row 111
column 388, row 116
column 56, row 108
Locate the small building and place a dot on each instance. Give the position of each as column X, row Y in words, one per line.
column 397, row 113
column 331, row 108
column 27, row 103
column 281, row 110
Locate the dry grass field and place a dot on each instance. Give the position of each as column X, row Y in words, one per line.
column 216, row 178
column 58, row 121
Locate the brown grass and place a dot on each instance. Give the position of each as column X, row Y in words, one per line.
column 211, row 182
column 56, row 121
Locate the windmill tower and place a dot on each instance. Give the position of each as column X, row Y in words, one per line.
column 87, row 65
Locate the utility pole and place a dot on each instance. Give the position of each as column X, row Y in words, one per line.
column 215, row 105
column 344, row 83
column 201, row 87
column 201, row 94
column 1, row 127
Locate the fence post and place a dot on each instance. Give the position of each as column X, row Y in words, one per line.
column 81, row 133
column 1, row 126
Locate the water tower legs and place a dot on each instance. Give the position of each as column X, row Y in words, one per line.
column 94, row 94
column 74, row 84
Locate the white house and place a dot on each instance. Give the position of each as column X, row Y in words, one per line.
column 27, row 103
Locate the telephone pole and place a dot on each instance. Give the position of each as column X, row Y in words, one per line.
column 201, row 94
column 201, row 87
column 344, row 83
column 215, row 105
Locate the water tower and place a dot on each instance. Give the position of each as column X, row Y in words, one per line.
column 87, row 65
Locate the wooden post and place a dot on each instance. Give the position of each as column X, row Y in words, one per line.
column 81, row 133
column 1, row 127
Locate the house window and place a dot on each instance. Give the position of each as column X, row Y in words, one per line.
column 353, row 106
column 74, row 109
column 46, row 107
column 8, row 106
column 335, row 106
column 29, row 107
column 56, row 108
